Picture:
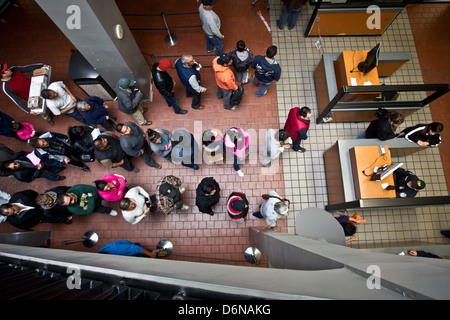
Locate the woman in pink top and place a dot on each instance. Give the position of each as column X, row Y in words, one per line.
column 111, row 187
column 24, row 130
column 237, row 140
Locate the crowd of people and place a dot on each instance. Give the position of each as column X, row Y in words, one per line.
column 84, row 143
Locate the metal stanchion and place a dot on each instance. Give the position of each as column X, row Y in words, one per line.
column 170, row 39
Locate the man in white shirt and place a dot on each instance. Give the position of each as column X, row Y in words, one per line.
column 59, row 100
column 136, row 204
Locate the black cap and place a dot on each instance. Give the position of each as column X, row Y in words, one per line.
column 167, row 190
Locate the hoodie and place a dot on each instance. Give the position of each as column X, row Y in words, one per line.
column 224, row 76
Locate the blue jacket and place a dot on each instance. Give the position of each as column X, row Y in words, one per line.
column 266, row 72
column 97, row 114
column 185, row 73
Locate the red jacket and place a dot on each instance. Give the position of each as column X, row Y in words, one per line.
column 294, row 124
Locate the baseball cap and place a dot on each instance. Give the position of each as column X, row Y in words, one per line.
column 125, row 82
column 417, row 184
column 167, row 190
column 3, row 67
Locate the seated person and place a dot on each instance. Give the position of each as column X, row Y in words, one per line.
column 407, row 184
column 424, row 135
column 136, row 204
column 384, row 127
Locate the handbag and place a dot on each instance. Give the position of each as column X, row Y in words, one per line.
column 267, row 197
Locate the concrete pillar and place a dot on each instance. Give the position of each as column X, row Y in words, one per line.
column 91, row 27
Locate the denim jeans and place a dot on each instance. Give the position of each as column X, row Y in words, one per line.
column 212, row 41
column 173, row 102
column 264, row 86
column 281, row 22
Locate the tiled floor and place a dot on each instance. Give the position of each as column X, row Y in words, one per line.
column 197, row 236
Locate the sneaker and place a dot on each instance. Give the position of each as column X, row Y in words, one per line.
column 113, row 213
column 144, row 110
column 51, row 122
column 136, row 169
column 240, row 173
column 185, row 207
column 234, row 108
column 182, row 190
column 157, row 166
column 195, row 167
column 147, row 123
column 61, row 178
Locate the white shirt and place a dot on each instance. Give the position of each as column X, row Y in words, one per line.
column 62, row 101
column 139, row 196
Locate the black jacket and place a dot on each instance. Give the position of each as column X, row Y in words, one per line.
column 31, row 217
column 25, row 174
column 204, row 202
column 163, row 81
column 381, row 129
column 115, row 152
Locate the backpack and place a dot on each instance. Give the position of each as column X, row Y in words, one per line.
column 236, row 96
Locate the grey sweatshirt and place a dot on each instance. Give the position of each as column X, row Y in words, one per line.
column 210, row 22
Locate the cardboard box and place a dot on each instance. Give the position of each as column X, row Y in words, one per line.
column 42, row 72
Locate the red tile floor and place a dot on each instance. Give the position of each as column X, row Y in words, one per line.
column 430, row 24
column 29, row 36
column 196, row 236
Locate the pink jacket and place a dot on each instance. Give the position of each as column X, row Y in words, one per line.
column 117, row 193
column 26, row 132
column 241, row 147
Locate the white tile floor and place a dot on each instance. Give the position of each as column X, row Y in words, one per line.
column 304, row 175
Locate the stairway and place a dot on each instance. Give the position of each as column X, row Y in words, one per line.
column 26, row 283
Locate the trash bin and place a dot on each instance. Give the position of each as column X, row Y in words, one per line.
column 89, row 80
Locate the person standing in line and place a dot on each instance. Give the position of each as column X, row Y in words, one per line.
column 84, row 199
column 237, row 206
column 207, row 195
column 211, row 27
column 242, row 60
column 129, row 100
column 267, row 70
column 60, row 100
column 136, row 204
column 107, row 151
column 297, row 124
column 276, row 142
column 188, row 72
column 272, row 209
column 168, row 194
column 17, row 87
column 225, row 80
column 134, row 142
column 290, row 11
column 164, row 83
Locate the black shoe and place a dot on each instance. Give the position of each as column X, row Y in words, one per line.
column 135, row 169
column 86, row 168
column 61, row 178
column 182, row 111
column 144, row 110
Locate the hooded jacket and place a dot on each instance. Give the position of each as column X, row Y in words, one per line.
column 224, row 76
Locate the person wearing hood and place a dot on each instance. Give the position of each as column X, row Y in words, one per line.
column 226, row 83
column 207, row 195
column 297, row 124
column 237, row 206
